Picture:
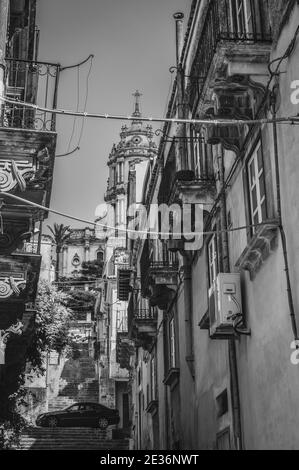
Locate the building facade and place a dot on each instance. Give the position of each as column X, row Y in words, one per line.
column 127, row 164
column 27, row 155
column 214, row 318
column 82, row 246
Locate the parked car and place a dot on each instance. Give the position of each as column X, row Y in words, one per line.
column 80, row 414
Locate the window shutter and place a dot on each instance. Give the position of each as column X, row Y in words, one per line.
column 268, row 174
column 247, row 206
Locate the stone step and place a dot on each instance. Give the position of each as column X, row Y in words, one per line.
column 70, row 442
column 69, row 439
column 62, row 446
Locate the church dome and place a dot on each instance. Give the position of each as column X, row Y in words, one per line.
column 136, row 139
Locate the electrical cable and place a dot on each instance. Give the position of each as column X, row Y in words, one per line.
column 68, row 153
column 140, row 232
column 215, row 122
column 68, row 67
column 85, row 101
column 77, row 108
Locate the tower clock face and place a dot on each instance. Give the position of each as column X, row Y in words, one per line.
column 136, row 140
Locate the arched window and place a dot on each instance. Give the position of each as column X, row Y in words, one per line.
column 100, row 256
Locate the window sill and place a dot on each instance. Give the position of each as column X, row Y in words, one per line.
column 261, row 245
column 172, row 378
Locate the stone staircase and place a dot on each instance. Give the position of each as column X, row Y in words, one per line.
column 69, row 439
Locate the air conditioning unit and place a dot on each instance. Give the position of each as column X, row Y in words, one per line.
column 224, row 303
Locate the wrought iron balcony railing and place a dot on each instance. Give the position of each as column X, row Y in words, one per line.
column 29, row 247
column 156, row 266
column 144, row 315
column 227, row 20
column 138, row 314
column 35, row 83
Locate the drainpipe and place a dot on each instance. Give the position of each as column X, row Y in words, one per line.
column 281, row 228
column 233, row 366
column 166, row 404
column 4, row 15
column 181, row 163
column 187, row 268
column 179, row 16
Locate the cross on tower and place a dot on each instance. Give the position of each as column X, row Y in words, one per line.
column 137, row 96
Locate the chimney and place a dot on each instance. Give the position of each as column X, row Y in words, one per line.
column 179, row 16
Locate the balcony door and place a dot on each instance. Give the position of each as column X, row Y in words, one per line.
column 242, row 18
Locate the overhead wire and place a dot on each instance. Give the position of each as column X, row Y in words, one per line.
column 140, row 232
column 106, row 116
column 75, row 149
column 77, row 109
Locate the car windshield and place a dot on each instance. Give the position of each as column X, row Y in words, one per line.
column 72, row 408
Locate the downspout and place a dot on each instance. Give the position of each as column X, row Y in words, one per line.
column 166, row 420
column 279, row 213
column 232, row 355
column 187, row 272
column 181, row 165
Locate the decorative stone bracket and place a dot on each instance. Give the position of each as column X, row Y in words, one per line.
column 16, row 329
column 172, row 378
column 11, row 285
column 259, row 248
column 24, row 173
column 15, row 174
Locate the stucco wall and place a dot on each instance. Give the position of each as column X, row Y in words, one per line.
column 211, row 366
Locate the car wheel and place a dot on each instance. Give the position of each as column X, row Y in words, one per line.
column 103, row 423
column 52, row 422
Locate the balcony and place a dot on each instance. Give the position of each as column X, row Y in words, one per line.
column 185, row 186
column 160, row 283
column 35, row 83
column 27, row 148
column 227, row 36
column 142, row 322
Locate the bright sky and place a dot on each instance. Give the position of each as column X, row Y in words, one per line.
column 134, row 45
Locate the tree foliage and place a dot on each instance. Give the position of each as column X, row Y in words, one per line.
column 52, row 324
column 81, row 300
column 59, row 234
column 92, row 269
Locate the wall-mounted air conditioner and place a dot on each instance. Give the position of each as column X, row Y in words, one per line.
column 225, row 305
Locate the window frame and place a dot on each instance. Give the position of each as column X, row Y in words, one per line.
column 213, row 264
column 242, row 20
column 172, row 344
column 258, row 174
column 120, row 172
column 199, row 153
